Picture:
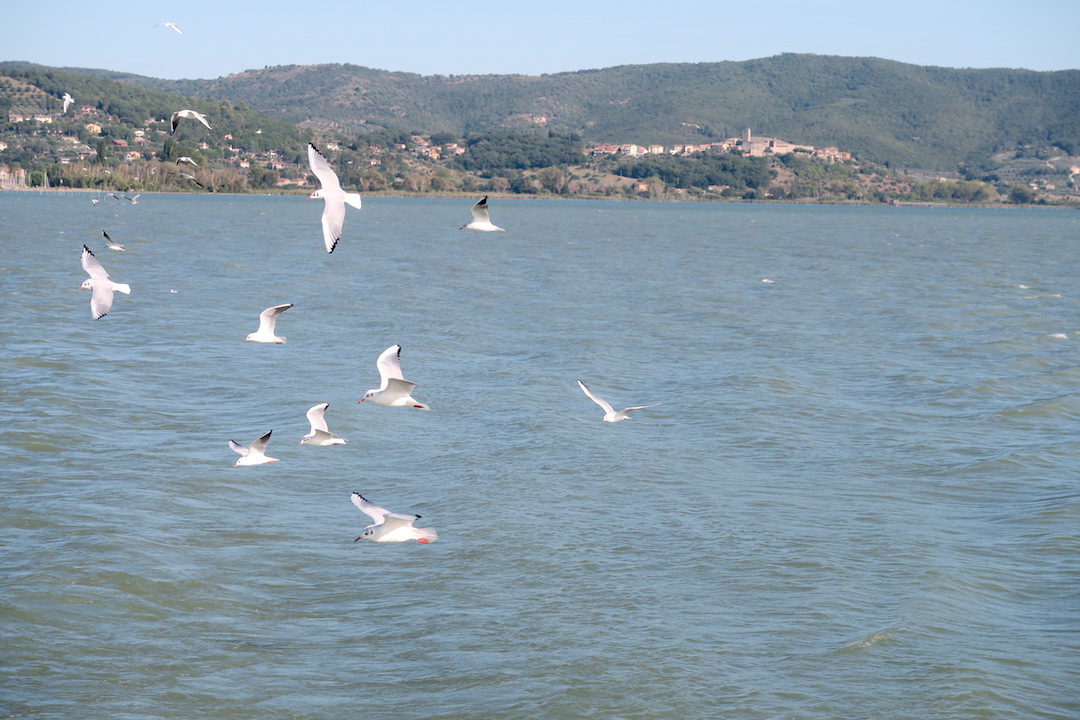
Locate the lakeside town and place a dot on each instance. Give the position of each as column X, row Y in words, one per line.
column 144, row 143
column 109, row 154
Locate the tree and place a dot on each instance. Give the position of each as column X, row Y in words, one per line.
column 1021, row 194
column 442, row 138
column 553, row 179
column 259, row 177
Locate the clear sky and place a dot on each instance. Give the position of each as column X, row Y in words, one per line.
column 531, row 38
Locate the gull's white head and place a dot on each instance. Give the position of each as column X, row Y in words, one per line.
column 88, row 284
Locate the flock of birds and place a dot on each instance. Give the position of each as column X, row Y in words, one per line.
column 394, row 390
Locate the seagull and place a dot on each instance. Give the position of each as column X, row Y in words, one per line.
column 192, row 179
column 110, row 244
column 320, row 435
column 333, row 216
column 254, row 454
column 481, row 219
column 170, row 25
column 100, row 284
column 67, row 101
column 391, row 526
column 609, row 412
column 267, row 320
column 187, row 160
column 93, row 201
column 133, row 200
column 175, row 120
column 394, row 391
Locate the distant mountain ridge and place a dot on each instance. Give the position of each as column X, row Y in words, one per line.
column 884, row 111
column 887, row 112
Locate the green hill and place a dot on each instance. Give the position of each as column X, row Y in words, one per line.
column 36, row 89
column 902, row 115
column 1016, row 132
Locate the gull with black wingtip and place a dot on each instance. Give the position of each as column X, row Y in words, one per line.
column 320, row 434
column 481, row 218
column 267, row 323
column 253, row 454
column 390, row 526
column 103, row 288
column 333, row 197
column 395, row 389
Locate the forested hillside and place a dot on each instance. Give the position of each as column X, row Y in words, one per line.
column 633, row 132
column 900, row 115
column 33, row 88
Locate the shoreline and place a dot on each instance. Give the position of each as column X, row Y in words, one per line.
column 603, row 198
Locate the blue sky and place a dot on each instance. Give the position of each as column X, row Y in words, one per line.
column 532, row 38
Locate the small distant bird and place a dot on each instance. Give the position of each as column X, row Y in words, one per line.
column 110, row 244
column 320, row 434
column 186, row 159
column 267, row 321
column 191, row 114
column 133, row 200
column 253, row 454
column 481, row 218
column 67, row 101
column 391, row 526
column 394, row 391
column 170, row 25
column 333, row 216
column 93, row 201
column 192, row 179
column 609, row 412
column 98, row 282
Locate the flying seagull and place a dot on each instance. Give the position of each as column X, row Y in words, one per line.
column 186, row 159
column 191, row 115
column 481, row 219
column 253, row 454
column 170, row 25
column 390, row 526
column 267, row 320
column 192, row 179
column 333, row 216
column 99, row 282
column 394, row 391
column 110, row 244
column 320, row 434
column 609, row 412
column 67, row 101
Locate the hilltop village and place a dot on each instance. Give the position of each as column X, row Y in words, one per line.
column 745, row 144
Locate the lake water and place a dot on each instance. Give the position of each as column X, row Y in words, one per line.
column 860, row 497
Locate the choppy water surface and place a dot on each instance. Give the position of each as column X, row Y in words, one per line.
column 859, row 497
